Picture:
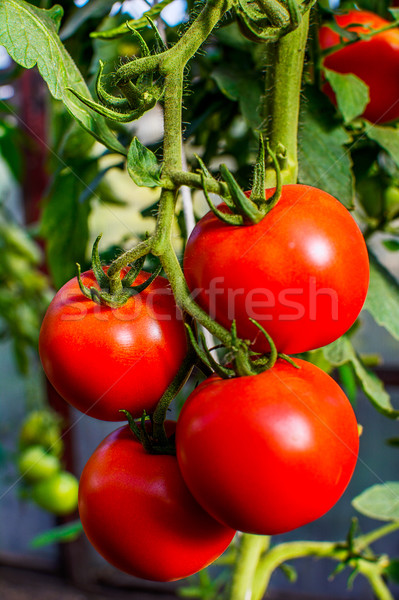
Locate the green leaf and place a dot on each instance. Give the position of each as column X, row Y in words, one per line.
column 341, row 352
column 351, row 93
column 391, row 245
column 30, row 36
column 236, row 85
column 140, row 23
column 379, row 502
column 64, row 533
column 65, row 222
column 92, row 10
column 386, row 137
column 324, row 161
column 382, row 300
column 142, row 165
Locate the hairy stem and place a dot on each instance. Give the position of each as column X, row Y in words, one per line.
column 280, row 110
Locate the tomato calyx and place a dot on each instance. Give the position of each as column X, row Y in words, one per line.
column 241, row 208
column 104, row 295
column 268, row 21
column 243, row 361
column 137, row 97
column 143, row 429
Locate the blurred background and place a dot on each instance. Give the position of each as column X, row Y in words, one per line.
column 58, row 190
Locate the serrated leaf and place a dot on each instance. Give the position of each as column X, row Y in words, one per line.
column 386, row 137
column 30, row 36
column 63, row 533
column 341, row 352
column 382, row 300
column 324, row 161
column 236, row 86
column 379, row 502
column 142, row 165
column 351, row 93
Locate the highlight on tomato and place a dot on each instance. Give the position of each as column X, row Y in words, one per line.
column 138, row 513
column 302, row 272
column 102, row 359
column 375, row 61
column 268, row 453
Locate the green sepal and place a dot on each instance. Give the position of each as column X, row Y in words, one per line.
column 114, row 115
column 135, row 429
column 273, row 350
column 106, row 98
column 230, row 219
column 222, row 371
column 160, row 43
column 133, row 272
column 198, row 350
column 84, row 289
column 144, row 49
column 101, row 277
column 244, row 206
column 208, row 175
column 136, row 289
column 258, row 187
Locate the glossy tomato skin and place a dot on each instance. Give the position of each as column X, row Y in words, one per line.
column 268, row 453
column 138, row 513
column 375, row 61
column 102, row 359
column 302, row 272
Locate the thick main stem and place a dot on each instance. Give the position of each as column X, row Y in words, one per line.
column 280, row 111
column 251, row 548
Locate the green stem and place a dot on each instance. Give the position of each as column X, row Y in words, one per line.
column 283, row 552
column 195, row 180
column 251, row 548
column 122, row 261
column 159, row 415
column 183, row 296
column 372, row 571
column 284, row 65
column 369, row 538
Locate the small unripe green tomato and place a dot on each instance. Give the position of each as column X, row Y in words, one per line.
column 58, row 495
column 42, row 427
column 35, row 464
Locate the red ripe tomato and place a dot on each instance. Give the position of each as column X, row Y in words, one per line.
column 102, row 359
column 375, row 61
column 138, row 513
column 302, row 272
column 268, row 453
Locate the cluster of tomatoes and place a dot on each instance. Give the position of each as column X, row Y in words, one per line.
column 262, row 454
column 47, row 483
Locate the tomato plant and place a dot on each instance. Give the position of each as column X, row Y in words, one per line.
column 302, row 272
column 102, row 359
column 137, row 512
column 262, row 445
column 268, row 453
column 57, row 494
column 374, row 60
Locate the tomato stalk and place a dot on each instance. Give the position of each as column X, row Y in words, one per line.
column 280, row 109
column 251, row 549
